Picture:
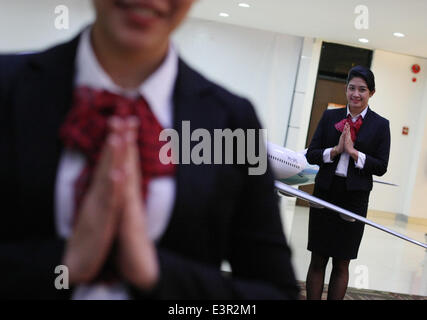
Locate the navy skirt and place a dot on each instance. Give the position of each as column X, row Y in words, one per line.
column 329, row 235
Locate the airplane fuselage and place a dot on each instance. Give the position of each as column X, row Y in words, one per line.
column 289, row 166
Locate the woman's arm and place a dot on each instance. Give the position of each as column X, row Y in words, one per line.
column 377, row 162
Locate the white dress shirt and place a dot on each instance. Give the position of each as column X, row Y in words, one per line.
column 158, row 91
column 343, row 163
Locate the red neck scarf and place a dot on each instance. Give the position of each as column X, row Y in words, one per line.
column 354, row 126
column 85, row 130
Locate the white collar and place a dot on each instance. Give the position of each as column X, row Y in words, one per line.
column 363, row 113
column 157, row 89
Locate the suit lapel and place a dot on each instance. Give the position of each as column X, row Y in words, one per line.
column 340, row 115
column 365, row 128
column 189, row 106
column 195, row 184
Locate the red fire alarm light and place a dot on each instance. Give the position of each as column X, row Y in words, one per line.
column 416, row 68
column 405, row 131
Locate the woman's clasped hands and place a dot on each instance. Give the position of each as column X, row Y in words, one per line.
column 113, row 211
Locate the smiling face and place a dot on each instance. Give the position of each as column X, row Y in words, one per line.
column 358, row 95
column 139, row 24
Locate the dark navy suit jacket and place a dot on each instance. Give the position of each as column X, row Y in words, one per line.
column 373, row 140
column 220, row 211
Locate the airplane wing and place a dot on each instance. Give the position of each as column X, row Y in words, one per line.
column 287, row 190
column 387, row 183
column 308, row 174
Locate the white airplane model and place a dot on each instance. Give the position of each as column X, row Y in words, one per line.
column 292, row 168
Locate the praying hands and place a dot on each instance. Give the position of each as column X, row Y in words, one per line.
column 113, row 210
column 349, row 143
column 345, row 144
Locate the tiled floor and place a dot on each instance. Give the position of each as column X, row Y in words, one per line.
column 363, row 294
column 385, row 263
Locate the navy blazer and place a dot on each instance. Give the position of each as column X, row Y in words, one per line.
column 220, row 212
column 373, row 140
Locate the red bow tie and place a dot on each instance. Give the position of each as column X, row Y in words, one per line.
column 354, row 126
column 85, row 130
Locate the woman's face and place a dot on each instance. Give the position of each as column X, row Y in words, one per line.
column 358, row 94
column 140, row 24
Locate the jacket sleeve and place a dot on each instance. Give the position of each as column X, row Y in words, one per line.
column 27, row 267
column 316, row 148
column 377, row 162
column 259, row 255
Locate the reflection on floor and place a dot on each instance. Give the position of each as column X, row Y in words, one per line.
column 385, row 263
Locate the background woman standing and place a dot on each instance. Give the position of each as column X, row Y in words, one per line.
column 350, row 145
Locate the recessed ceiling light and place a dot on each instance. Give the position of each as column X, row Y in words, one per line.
column 223, row 14
column 244, row 5
column 398, row 34
column 363, row 40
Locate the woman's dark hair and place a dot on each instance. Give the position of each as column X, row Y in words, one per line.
column 364, row 73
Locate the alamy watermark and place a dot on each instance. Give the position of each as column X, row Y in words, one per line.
column 362, row 20
column 224, row 146
column 362, row 277
column 62, row 280
column 62, row 19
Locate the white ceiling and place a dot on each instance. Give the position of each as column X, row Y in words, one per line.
column 330, row 20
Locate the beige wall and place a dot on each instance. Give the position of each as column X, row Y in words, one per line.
column 416, row 206
column 259, row 65
column 403, row 103
column 28, row 25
